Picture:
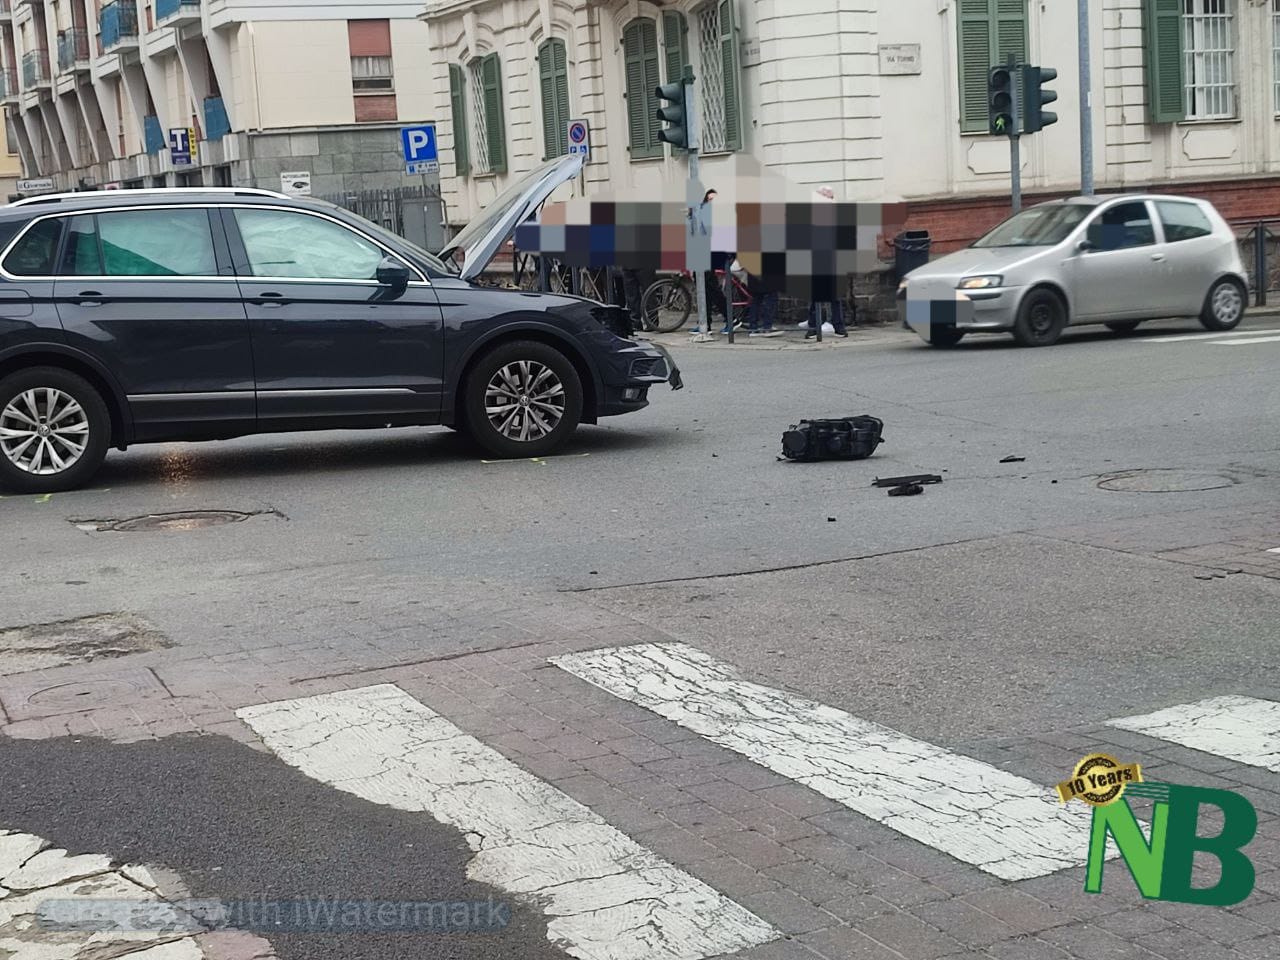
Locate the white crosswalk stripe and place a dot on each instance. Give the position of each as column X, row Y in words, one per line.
column 1239, row 728
column 1245, row 337
column 606, row 896
column 1001, row 823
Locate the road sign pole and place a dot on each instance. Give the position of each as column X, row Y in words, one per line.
column 1086, row 102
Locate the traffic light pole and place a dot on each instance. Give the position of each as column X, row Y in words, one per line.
column 1086, row 102
column 1015, row 144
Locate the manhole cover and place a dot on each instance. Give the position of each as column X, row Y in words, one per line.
column 185, row 520
column 34, row 697
column 39, row 646
column 1165, row 481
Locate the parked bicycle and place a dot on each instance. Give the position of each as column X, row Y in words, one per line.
column 669, row 302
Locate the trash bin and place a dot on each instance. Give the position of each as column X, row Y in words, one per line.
column 911, row 250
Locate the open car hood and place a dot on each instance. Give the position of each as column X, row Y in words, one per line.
column 481, row 239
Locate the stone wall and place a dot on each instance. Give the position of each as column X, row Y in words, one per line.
column 340, row 159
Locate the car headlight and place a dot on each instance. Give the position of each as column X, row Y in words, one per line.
column 980, row 283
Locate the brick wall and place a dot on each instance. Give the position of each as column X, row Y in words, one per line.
column 956, row 223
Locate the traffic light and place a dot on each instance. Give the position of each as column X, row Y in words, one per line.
column 1000, row 82
column 1034, row 98
column 675, row 114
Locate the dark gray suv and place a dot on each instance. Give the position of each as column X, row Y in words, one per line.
column 143, row 316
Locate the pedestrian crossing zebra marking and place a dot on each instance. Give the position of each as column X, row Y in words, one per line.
column 1001, row 823
column 1223, row 337
column 1244, row 729
column 606, row 896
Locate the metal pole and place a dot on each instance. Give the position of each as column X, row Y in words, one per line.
column 1086, row 102
column 1015, row 164
column 1260, row 264
column 1015, row 151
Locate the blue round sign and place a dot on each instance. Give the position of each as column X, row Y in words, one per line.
column 578, row 132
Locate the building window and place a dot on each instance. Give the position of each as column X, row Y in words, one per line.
column 487, row 133
column 1275, row 51
column 553, row 77
column 721, row 87
column 372, row 70
column 458, row 120
column 990, row 30
column 640, row 54
column 372, row 75
column 1208, row 49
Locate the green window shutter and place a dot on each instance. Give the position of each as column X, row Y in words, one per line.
column 640, row 54
column 675, row 49
column 554, row 80
column 1162, row 24
column 990, row 30
column 458, row 116
column 494, row 121
column 732, row 75
column 975, row 60
column 1011, row 31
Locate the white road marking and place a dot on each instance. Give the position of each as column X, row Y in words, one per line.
column 1274, row 550
column 1245, row 343
column 1001, row 823
column 1238, row 728
column 608, row 897
column 1192, row 337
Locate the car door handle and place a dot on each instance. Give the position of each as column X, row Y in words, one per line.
column 1157, row 257
column 89, row 298
column 268, row 299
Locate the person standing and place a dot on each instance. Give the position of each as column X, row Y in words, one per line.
column 764, row 307
column 715, row 291
column 825, row 194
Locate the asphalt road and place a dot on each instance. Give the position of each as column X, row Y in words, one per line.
column 1011, row 599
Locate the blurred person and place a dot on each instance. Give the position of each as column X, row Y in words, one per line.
column 825, row 194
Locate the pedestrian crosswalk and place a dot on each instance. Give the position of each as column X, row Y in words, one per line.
column 1231, row 338
column 605, row 895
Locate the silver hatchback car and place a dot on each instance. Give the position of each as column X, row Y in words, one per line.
column 1116, row 260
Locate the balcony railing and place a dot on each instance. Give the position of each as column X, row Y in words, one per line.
column 216, row 124
column 119, row 24
column 9, row 84
column 172, row 10
column 35, row 68
column 6, row 8
column 156, row 140
column 73, row 48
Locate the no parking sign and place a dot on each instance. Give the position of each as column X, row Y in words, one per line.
column 579, row 139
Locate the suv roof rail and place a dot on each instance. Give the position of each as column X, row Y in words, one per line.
column 152, row 191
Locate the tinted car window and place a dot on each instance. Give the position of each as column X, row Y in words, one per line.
column 1182, row 221
column 82, row 257
column 34, row 254
column 1123, row 226
column 157, row 243
column 298, row 246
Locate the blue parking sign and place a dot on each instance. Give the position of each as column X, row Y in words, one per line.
column 419, row 144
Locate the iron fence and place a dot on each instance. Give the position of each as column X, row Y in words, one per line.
column 1260, row 249
column 415, row 213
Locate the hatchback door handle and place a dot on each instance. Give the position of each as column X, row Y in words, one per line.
column 1157, row 257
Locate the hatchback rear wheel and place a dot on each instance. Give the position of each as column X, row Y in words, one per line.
column 522, row 399
column 1224, row 306
column 54, row 430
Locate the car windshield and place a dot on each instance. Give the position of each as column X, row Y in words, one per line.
column 394, row 240
column 1038, row 227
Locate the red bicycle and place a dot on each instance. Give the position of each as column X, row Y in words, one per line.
column 668, row 302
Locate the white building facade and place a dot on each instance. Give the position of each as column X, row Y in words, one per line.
column 882, row 99
column 92, row 89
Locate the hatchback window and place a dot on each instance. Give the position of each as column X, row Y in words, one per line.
column 33, row 255
column 157, row 243
column 1182, row 221
column 1122, row 227
column 1044, row 226
column 298, row 246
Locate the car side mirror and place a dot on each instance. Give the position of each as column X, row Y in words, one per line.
column 1084, row 246
column 392, row 273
